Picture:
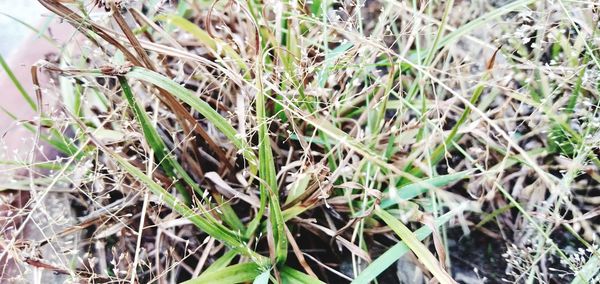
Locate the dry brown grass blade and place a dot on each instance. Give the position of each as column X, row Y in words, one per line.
column 335, row 99
column 327, row 267
column 490, row 63
column 142, row 21
column 437, row 240
column 76, row 228
column 354, row 249
column 369, row 192
column 298, row 253
column 141, row 18
column 311, row 195
column 179, row 110
column 81, row 23
column 43, row 265
column 39, row 100
column 227, row 191
column 132, row 38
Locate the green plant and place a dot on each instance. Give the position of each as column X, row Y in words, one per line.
column 244, row 125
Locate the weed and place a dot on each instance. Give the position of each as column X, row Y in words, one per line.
column 278, row 141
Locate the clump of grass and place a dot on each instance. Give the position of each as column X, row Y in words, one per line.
column 323, row 141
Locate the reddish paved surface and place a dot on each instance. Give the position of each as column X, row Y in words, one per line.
column 16, row 139
column 32, row 50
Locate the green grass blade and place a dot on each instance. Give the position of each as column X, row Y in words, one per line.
column 216, row 230
column 438, row 153
column 398, row 250
column 30, row 101
column 477, row 23
column 263, row 278
column 237, row 273
column 221, row 262
column 293, row 276
column 268, row 185
column 163, row 158
column 491, row 216
column 197, row 104
column 329, row 62
column 70, row 93
column 39, row 32
column 215, row 45
column 413, row 190
column 315, row 8
column 588, row 271
column 170, row 164
column 412, row 242
column 54, row 138
column 341, row 137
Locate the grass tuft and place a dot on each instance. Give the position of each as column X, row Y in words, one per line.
column 309, row 142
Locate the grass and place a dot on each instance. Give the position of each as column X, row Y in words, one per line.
column 324, row 141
